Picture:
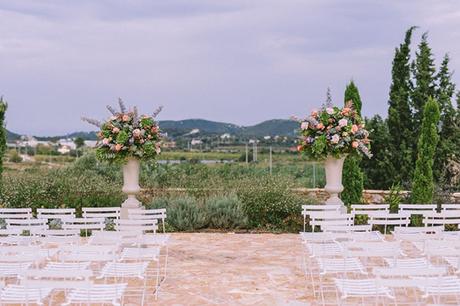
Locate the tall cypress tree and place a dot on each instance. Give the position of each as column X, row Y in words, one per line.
column 378, row 169
column 400, row 119
column 423, row 184
column 425, row 87
column 3, row 108
column 449, row 131
column 352, row 174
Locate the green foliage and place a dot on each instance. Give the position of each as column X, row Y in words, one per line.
column 449, row 140
column 352, row 179
column 352, row 94
column 423, row 185
column 226, row 212
column 394, row 198
column 425, row 86
column 378, row 171
column 269, row 203
column 3, row 108
column 400, row 118
column 15, row 157
column 185, row 214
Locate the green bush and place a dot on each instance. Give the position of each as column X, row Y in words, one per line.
column 226, row 212
column 183, row 213
column 270, row 204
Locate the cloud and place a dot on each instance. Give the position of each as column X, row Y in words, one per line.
column 235, row 61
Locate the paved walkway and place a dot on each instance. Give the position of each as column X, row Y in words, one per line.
column 234, row 269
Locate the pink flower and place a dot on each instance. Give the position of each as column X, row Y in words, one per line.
column 137, row 133
column 314, row 113
column 304, row 125
column 330, row 110
column 343, row 122
column 354, row 144
column 125, row 118
column 354, row 128
column 115, row 130
column 118, row 147
column 320, row 126
column 335, row 138
column 345, row 111
column 299, row 148
column 154, row 129
column 105, row 141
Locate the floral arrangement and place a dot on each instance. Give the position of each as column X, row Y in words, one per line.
column 333, row 131
column 127, row 135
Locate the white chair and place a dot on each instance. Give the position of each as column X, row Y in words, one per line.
column 88, row 253
column 418, row 209
column 93, row 224
column 385, row 219
column 142, row 226
column 97, row 294
column 18, row 294
column 437, row 287
column 101, row 212
column 140, row 254
column 325, row 219
column 55, row 213
column 442, row 218
column 450, row 207
column 369, row 209
column 124, row 270
column 13, row 269
column 59, row 237
column 340, row 265
column 307, row 209
column 33, row 226
column 15, row 213
column 362, row 289
column 146, row 214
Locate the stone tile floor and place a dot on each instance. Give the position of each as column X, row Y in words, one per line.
column 235, row 269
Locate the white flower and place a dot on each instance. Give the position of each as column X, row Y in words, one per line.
column 304, row 125
column 335, row 138
column 343, row 122
column 330, row 110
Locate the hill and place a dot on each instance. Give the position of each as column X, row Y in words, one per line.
column 200, row 127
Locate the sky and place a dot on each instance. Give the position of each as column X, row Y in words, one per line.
column 233, row 61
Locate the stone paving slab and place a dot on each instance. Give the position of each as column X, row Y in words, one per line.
column 234, row 269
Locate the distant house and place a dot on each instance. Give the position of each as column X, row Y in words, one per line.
column 64, row 149
column 67, row 143
column 196, row 142
column 225, row 136
column 267, row 137
column 169, row 144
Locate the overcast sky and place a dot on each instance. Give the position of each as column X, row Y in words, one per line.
column 235, row 61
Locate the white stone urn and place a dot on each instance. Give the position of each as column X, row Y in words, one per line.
column 333, row 167
column 130, row 186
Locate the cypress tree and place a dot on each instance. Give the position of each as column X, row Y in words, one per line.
column 3, row 108
column 449, row 131
column 378, row 169
column 423, row 184
column 352, row 174
column 425, row 87
column 400, row 119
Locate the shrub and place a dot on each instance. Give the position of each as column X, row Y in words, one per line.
column 15, row 157
column 183, row 213
column 226, row 212
column 269, row 203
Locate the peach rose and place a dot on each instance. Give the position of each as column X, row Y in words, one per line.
column 115, row 130
column 354, row 144
column 137, row 133
column 105, row 141
column 320, row 126
column 354, row 128
column 314, row 113
column 118, row 147
column 125, row 118
column 299, row 148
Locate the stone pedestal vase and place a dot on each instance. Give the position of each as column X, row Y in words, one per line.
column 130, row 186
column 333, row 167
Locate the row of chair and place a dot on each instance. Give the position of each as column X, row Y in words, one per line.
column 379, row 214
column 93, row 218
column 417, row 265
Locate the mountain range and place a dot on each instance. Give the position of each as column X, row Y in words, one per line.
column 199, row 127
